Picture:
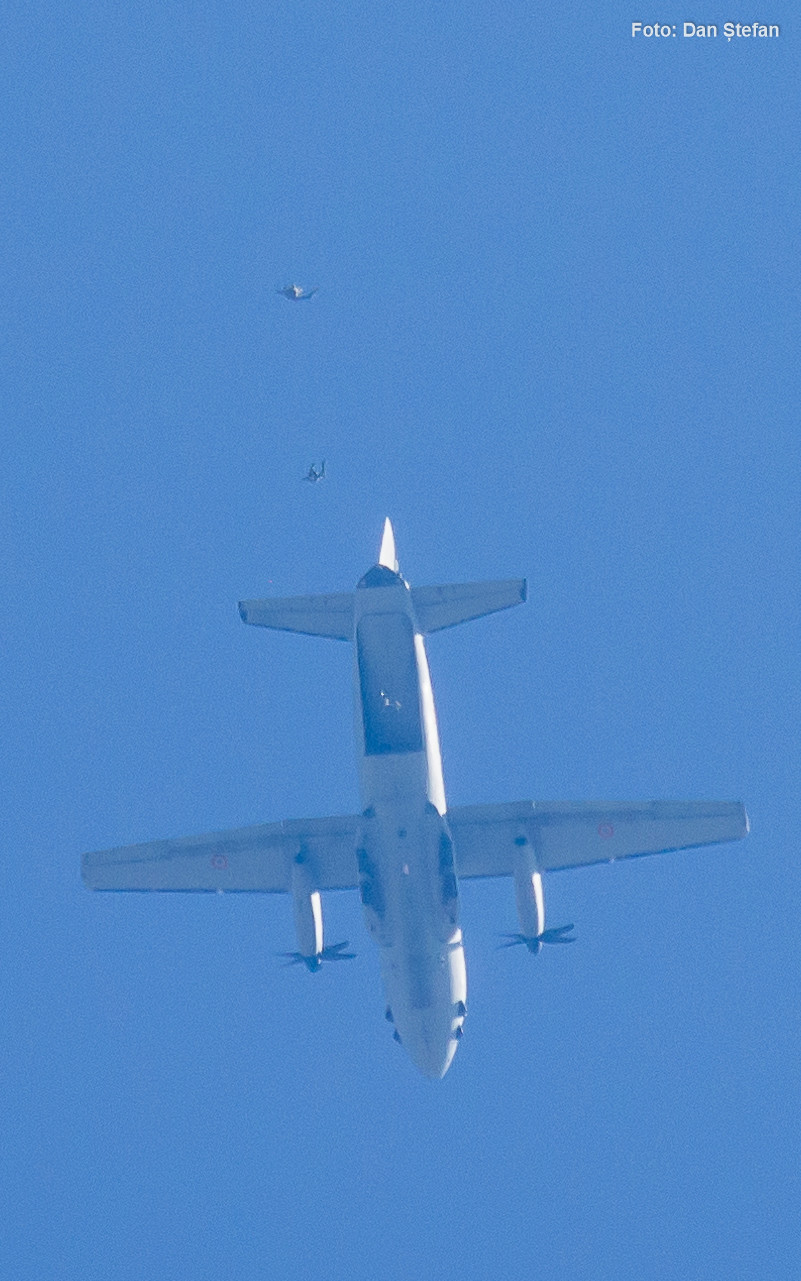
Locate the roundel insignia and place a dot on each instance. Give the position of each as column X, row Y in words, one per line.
column 219, row 862
column 605, row 830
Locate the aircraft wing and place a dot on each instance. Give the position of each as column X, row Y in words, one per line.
column 243, row 859
column 567, row 834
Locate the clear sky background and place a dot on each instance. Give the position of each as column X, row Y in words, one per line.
column 556, row 335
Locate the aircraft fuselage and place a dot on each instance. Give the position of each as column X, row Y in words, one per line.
column 407, row 879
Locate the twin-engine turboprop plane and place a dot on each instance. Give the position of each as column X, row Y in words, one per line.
column 405, row 851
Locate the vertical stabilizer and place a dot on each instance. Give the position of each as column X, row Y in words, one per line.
column 386, row 556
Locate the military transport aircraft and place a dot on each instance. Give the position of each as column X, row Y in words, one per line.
column 406, row 851
column 296, row 293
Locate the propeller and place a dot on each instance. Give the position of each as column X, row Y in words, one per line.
column 332, row 953
column 556, row 935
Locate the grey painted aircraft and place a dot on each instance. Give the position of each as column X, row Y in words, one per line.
column 406, row 851
column 314, row 475
column 296, row 293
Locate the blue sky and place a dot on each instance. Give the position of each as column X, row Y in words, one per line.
column 556, row 335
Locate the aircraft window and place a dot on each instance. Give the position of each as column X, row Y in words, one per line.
column 389, row 684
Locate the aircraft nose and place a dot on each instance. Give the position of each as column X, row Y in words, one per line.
column 431, row 1050
column 438, row 1064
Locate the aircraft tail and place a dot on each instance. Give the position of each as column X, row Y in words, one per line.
column 435, row 607
column 387, row 555
column 452, row 603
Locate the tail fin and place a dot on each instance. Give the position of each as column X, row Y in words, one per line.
column 452, row 603
column 387, row 555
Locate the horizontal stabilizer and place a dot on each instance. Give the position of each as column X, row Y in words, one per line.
column 564, row 834
column 247, row 858
column 452, row 603
column 314, row 615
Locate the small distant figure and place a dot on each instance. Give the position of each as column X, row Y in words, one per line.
column 296, row 293
column 314, row 475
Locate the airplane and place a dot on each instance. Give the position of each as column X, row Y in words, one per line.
column 296, row 293
column 314, row 475
column 406, row 851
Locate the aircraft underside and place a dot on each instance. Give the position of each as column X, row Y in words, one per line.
column 410, row 901
column 404, row 852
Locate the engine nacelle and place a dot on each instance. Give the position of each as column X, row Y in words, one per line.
column 307, row 908
column 529, row 893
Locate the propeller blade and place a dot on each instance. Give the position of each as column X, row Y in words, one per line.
column 334, row 952
column 557, row 934
column 313, row 962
